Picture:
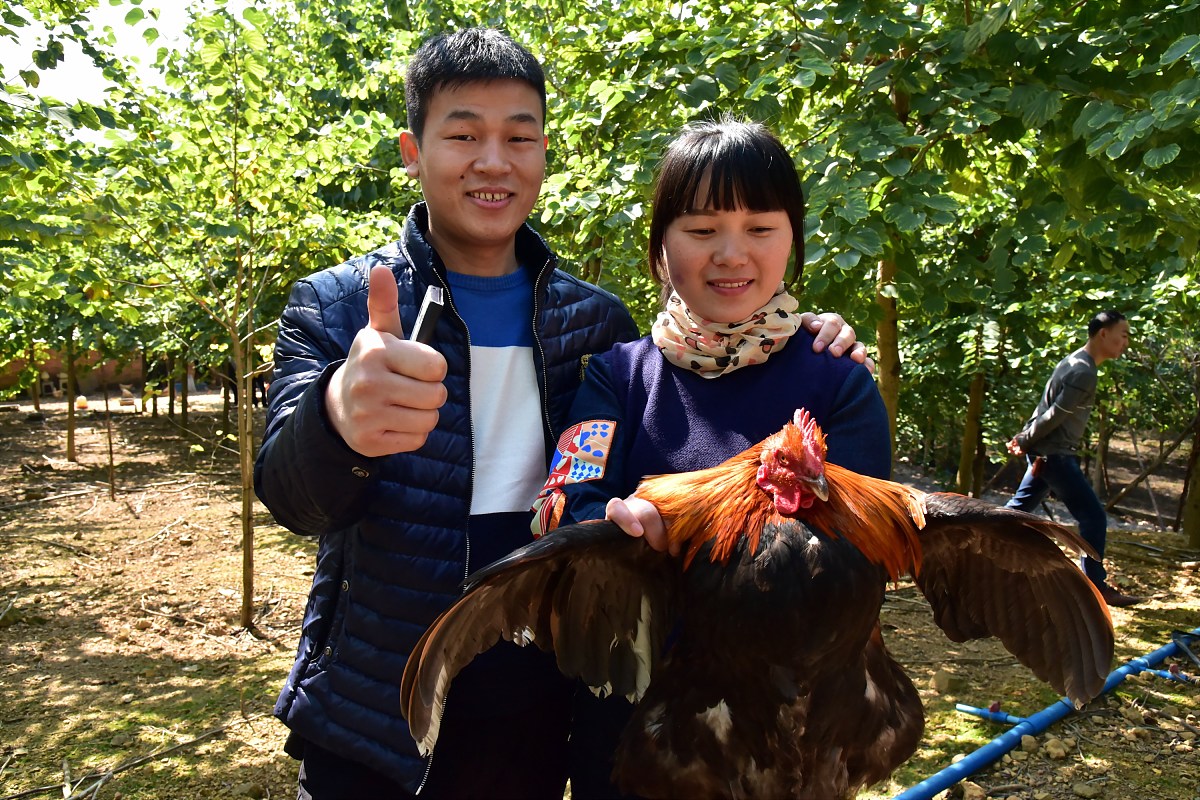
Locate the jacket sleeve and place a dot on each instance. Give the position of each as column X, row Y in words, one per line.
column 305, row 474
column 857, row 430
column 588, row 465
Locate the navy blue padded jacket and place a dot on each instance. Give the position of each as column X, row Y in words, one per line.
column 394, row 535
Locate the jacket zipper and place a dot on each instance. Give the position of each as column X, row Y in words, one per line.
column 544, row 389
column 537, row 338
column 470, row 493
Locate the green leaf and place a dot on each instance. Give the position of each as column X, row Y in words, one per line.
column 1036, row 104
column 986, row 27
column 60, row 114
column 903, row 217
column 702, row 89
column 1182, row 47
column 954, row 155
column 933, row 304
column 941, row 202
column 49, row 56
column 1160, row 156
column 210, row 23
column 847, row 259
column 212, row 52
column 134, row 16
column 1096, row 114
column 254, row 39
column 729, row 76
column 255, row 17
column 13, row 18
column 1118, row 148
column 1063, row 256
column 865, row 240
column 854, row 208
column 1005, row 280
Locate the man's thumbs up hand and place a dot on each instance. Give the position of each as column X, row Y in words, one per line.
column 385, row 398
column 383, row 303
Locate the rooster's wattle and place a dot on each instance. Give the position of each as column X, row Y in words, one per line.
column 755, row 658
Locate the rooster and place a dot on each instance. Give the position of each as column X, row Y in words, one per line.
column 755, row 657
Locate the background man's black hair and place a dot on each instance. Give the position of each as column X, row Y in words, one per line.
column 1103, row 320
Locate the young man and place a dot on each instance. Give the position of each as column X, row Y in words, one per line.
column 1050, row 440
column 417, row 464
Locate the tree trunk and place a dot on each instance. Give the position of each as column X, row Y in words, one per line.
column 968, row 482
column 226, row 398
column 35, row 389
column 244, row 375
column 112, row 470
column 71, row 394
column 154, row 399
column 980, row 465
column 172, row 365
column 887, row 340
column 183, row 394
column 1190, row 510
column 145, row 378
column 1103, row 435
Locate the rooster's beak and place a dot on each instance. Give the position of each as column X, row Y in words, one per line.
column 818, row 486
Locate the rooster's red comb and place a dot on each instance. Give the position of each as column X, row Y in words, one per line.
column 811, row 433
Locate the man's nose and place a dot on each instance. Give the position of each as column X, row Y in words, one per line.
column 493, row 157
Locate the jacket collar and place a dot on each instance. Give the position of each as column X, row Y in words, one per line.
column 532, row 251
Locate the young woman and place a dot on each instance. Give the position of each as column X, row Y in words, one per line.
column 727, row 364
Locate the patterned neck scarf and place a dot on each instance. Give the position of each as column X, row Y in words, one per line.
column 712, row 349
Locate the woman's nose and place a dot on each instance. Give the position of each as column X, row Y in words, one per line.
column 730, row 251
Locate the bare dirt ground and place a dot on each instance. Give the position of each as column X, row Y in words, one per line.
column 124, row 672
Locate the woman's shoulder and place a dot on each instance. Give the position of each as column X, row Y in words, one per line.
column 625, row 355
column 799, row 353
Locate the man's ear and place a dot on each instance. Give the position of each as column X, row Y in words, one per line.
column 410, row 151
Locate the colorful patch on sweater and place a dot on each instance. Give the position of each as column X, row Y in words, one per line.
column 582, row 455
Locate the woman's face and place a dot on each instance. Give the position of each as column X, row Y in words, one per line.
column 725, row 265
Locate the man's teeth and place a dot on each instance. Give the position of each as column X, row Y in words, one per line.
column 491, row 197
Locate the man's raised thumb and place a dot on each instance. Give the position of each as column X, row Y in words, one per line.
column 383, row 303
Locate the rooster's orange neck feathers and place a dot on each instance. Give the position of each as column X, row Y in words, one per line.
column 879, row 517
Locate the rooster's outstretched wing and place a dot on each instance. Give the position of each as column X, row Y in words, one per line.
column 990, row 571
column 603, row 601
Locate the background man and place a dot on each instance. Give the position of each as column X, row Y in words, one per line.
column 1051, row 438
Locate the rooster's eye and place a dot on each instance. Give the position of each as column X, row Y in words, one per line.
column 782, row 459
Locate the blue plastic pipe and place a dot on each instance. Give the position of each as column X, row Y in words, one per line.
column 1032, row 725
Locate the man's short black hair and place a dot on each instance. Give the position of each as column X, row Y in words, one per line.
column 1105, row 319
column 450, row 60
